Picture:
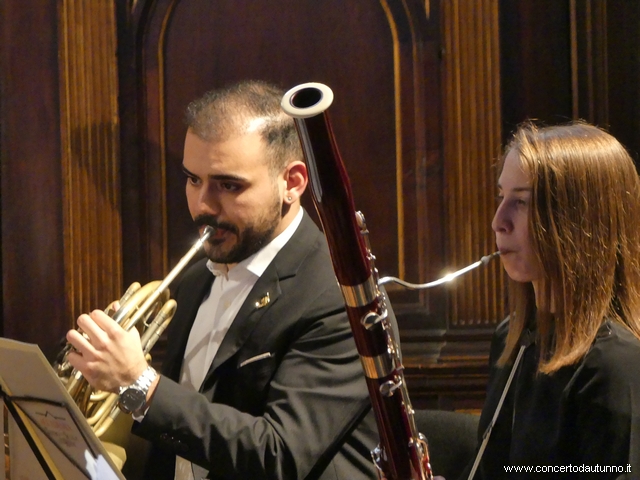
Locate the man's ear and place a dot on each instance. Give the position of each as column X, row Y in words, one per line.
column 296, row 179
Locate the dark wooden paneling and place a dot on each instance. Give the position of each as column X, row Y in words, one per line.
column 571, row 59
column 132, row 172
column 472, row 138
column 535, row 61
column 90, row 155
column 623, row 73
column 330, row 42
column 380, row 59
column 60, row 205
column 33, row 301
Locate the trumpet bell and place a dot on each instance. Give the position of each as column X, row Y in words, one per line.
column 147, row 308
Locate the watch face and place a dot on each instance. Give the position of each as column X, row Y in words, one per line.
column 132, row 399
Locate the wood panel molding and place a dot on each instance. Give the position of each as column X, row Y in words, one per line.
column 89, row 130
column 448, row 368
column 472, row 145
column 589, row 65
column 418, row 161
column 153, row 30
column 387, row 117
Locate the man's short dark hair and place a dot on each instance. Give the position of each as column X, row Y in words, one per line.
column 241, row 107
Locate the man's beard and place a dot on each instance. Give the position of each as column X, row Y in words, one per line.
column 250, row 240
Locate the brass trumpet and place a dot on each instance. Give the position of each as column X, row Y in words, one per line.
column 147, row 308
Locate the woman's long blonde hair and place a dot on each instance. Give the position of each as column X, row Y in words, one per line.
column 584, row 221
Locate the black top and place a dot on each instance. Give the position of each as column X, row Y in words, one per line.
column 583, row 421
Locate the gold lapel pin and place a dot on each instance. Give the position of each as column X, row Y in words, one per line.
column 264, row 301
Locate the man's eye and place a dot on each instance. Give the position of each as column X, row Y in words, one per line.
column 499, row 198
column 229, row 187
column 193, row 180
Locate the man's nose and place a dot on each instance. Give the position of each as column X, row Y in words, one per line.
column 208, row 202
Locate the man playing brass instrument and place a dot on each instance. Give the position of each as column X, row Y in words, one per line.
column 261, row 377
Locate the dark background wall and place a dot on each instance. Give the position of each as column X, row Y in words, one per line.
column 91, row 96
column 33, row 300
column 563, row 60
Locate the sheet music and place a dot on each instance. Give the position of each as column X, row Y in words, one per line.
column 23, row 464
column 56, row 423
column 2, row 464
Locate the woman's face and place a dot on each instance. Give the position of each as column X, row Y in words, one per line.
column 511, row 223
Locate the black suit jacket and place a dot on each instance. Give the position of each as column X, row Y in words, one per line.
column 285, row 395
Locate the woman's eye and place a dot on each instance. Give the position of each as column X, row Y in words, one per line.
column 518, row 202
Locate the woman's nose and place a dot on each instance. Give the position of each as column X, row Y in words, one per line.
column 501, row 221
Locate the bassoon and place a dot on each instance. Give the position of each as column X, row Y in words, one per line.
column 402, row 453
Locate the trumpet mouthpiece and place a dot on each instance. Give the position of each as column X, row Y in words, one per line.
column 207, row 232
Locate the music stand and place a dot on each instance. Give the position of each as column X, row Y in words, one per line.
column 49, row 438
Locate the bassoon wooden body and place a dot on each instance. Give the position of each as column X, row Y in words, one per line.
column 402, row 453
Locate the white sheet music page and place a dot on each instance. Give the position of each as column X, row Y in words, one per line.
column 2, row 464
column 54, row 421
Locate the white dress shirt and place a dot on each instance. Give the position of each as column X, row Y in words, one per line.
column 216, row 313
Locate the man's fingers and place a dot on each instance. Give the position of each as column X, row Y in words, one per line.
column 106, row 323
column 80, row 343
column 77, row 361
column 96, row 333
column 112, row 335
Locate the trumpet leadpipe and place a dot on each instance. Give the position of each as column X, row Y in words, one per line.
column 164, row 284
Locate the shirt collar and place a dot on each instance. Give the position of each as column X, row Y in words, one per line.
column 259, row 261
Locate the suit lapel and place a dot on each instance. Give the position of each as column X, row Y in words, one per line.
column 266, row 292
column 252, row 310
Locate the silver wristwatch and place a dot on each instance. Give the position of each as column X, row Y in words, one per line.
column 134, row 397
